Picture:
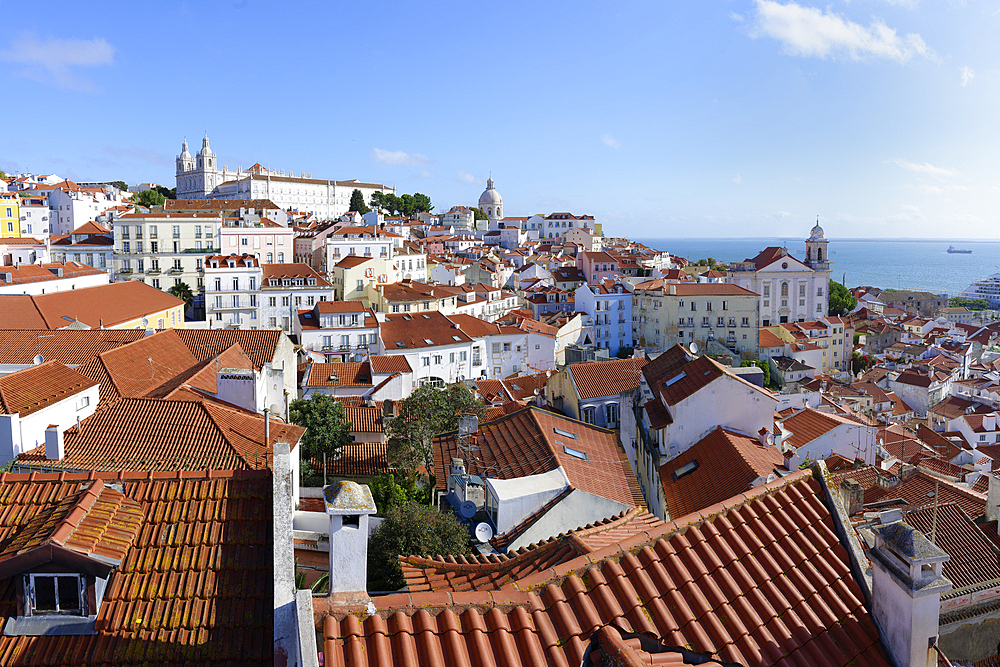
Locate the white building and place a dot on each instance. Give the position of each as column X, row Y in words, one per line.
column 200, row 177
column 288, row 288
column 232, row 284
column 790, row 290
column 71, row 205
column 365, row 241
column 437, row 351
column 269, row 242
column 337, row 330
column 609, row 307
column 35, row 214
column 91, row 244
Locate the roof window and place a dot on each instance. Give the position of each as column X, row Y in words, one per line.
column 680, row 376
column 458, row 338
column 428, row 341
column 685, row 469
column 576, row 453
column 565, row 434
column 399, row 344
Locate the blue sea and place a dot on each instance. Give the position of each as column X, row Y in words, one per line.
column 916, row 264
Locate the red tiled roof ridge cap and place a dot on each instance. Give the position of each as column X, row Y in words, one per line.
column 129, row 475
column 614, row 552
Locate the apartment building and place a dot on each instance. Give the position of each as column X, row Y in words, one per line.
column 667, row 313
column 232, row 284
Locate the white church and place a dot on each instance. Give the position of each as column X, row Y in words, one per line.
column 200, row 177
column 791, row 290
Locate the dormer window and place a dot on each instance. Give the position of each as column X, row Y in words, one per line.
column 55, row 594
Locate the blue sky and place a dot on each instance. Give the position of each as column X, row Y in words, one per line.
column 661, row 119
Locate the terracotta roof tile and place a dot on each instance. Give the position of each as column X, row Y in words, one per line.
column 195, row 585
column 154, row 434
column 726, row 464
column 714, row 584
column 808, row 424
column 974, row 560
column 386, row 364
column 110, row 305
column 595, row 379
column 349, row 374
column 525, row 443
column 27, row 391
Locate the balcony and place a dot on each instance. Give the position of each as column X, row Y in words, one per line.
column 176, row 269
column 153, row 272
column 124, row 271
column 201, row 250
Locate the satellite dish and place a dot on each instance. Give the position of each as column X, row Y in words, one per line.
column 484, row 532
column 275, row 410
column 38, row 359
column 694, row 348
column 145, row 322
column 467, row 509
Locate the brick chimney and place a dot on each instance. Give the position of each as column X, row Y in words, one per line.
column 907, row 585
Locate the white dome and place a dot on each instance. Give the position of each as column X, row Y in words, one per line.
column 490, row 196
column 816, row 234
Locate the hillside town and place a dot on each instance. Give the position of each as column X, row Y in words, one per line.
column 227, row 406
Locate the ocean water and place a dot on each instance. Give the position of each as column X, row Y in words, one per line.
column 916, row 264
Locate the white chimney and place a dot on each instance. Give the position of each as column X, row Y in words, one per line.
column 907, row 585
column 457, row 468
column 55, row 450
column 349, row 504
column 237, row 386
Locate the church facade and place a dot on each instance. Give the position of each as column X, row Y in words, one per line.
column 788, row 289
column 201, row 177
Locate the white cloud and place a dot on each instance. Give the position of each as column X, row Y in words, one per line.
column 738, row 180
column 466, row 177
column 967, row 75
column 610, row 141
column 925, row 168
column 50, row 60
column 736, row 17
column 423, row 173
column 812, row 33
column 399, row 158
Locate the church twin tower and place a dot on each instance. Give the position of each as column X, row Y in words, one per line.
column 197, row 176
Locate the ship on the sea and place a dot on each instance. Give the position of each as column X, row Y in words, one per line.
column 988, row 288
column 953, row 250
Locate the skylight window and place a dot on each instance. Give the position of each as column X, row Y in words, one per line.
column 565, row 434
column 426, row 317
column 685, row 469
column 398, row 344
column 680, row 376
column 428, row 341
column 456, row 338
column 576, row 453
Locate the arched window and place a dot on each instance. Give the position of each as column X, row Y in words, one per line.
column 819, row 254
column 784, row 290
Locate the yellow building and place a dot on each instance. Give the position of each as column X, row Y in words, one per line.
column 127, row 305
column 10, row 215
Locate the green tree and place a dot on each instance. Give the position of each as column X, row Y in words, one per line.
column 121, row 185
column 478, row 214
column 148, row 198
column 358, row 202
column 424, row 414
column 422, row 203
column 183, row 292
column 327, row 429
column 841, row 300
column 971, row 304
column 3, row 174
column 170, row 193
column 411, row 529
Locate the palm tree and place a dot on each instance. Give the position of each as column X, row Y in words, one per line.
column 184, row 293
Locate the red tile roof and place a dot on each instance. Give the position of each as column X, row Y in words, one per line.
column 107, row 305
column 154, row 434
column 139, row 367
column 595, row 379
column 759, row 580
column 525, row 443
column 483, row 573
column 974, row 560
column 808, row 424
column 35, row 273
column 194, row 587
column 413, row 331
column 260, row 345
column 727, row 462
column 386, row 364
column 94, row 521
column 31, row 389
column 350, row 374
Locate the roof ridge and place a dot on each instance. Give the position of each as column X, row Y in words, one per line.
column 648, row 537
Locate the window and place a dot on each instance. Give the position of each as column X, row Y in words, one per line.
column 272, row 321
column 611, row 413
column 497, row 371
column 218, row 301
column 371, row 340
column 281, row 257
column 496, row 348
column 708, row 306
column 55, row 593
column 819, row 291
column 154, row 246
column 693, row 308
column 272, row 301
column 177, row 231
column 197, row 231
column 286, row 301
column 425, row 361
column 83, row 402
column 767, row 291
column 784, row 290
column 588, row 415
column 506, row 347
